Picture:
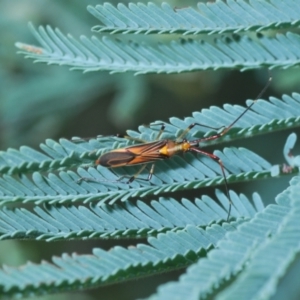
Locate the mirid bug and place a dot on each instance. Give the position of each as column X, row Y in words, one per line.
column 160, row 149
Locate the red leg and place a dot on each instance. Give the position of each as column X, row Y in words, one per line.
column 218, row 160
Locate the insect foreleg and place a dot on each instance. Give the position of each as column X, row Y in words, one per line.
column 186, row 131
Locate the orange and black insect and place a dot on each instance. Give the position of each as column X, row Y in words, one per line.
column 149, row 152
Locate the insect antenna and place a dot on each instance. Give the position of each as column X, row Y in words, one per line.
column 248, row 107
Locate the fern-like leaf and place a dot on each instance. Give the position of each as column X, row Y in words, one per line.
column 233, row 249
column 118, row 264
column 246, row 256
column 235, row 52
column 266, row 116
column 216, row 17
column 191, row 172
column 128, row 220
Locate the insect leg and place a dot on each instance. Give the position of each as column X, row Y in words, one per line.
column 218, row 160
column 162, row 128
column 90, row 179
column 160, row 132
column 151, row 172
column 179, row 139
column 140, row 140
column 135, row 176
column 185, row 132
column 131, row 138
column 131, row 177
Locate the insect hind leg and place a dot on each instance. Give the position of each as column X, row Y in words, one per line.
column 219, row 161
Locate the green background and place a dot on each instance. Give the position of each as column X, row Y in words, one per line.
column 39, row 101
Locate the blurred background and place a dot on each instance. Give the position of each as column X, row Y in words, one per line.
column 39, row 101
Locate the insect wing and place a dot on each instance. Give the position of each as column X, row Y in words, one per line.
column 147, row 152
column 133, row 155
column 116, row 158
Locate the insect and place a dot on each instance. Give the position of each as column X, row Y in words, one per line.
column 160, row 149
